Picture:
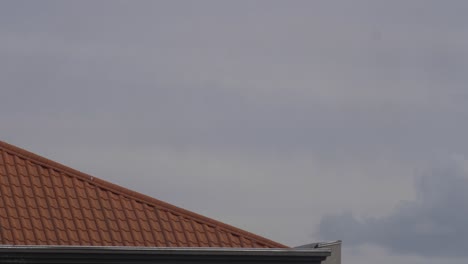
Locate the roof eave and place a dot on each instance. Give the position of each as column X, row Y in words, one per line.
column 78, row 254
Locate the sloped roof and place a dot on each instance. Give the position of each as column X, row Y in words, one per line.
column 45, row 203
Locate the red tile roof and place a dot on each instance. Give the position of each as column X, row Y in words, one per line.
column 46, row 203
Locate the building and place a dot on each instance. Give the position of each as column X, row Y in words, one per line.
column 49, row 211
column 335, row 250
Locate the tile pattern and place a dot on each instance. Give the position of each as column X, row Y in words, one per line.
column 45, row 203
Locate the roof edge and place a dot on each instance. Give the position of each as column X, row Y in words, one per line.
column 166, row 255
column 168, row 250
column 133, row 194
column 320, row 244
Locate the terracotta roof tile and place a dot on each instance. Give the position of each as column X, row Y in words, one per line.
column 45, row 203
column 213, row 237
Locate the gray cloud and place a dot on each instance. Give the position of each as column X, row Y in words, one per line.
column 242, row 100
column 320, row 77
column 432, row 225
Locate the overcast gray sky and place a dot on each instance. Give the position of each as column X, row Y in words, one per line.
column 297, row 120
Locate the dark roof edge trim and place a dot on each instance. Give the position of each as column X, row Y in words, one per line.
column 169, row 255
column 165, row 250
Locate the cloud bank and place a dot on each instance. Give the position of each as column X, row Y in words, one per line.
column 434, row 224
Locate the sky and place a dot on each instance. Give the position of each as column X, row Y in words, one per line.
column 301, row 121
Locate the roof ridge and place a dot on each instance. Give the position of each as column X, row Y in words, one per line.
column 133, row 194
